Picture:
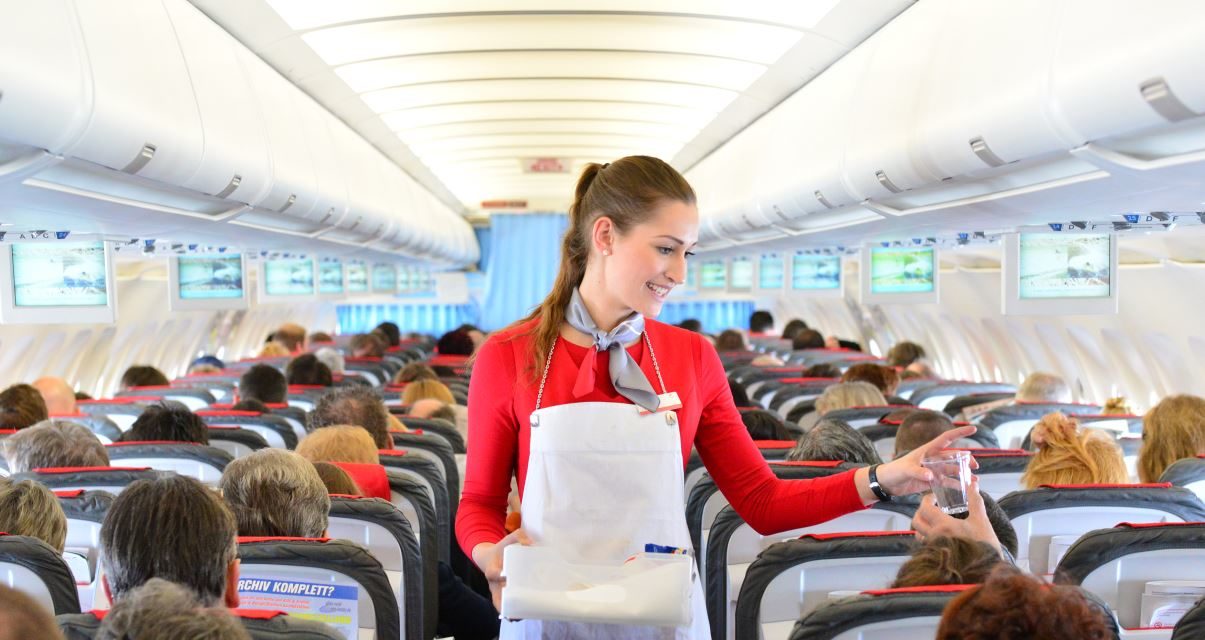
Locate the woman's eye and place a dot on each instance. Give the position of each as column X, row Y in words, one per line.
column 689, row 253
column 665, row 251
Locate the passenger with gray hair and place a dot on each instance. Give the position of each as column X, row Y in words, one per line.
column 849, row 394
column 835, row 440
column 163, row 610
column 1044, row 387
column 331, row 358
column 274, row 492
column 54, row 443
column 171, row 527
column 358, row 406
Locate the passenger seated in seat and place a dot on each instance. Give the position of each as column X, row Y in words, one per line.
column 337, row 481
column 947, row 560
column 415, row 371
column 174, row 528
column 885, row 379
column 143, row 375
column 1116, row 407
column 835, row 440
column 691, row 324
column 264, row 383
column 764, row 425
column 307, row 369
column 392, row 333
column 984, row 521
column 317, row 339
column 162, row 610
column 916, row 426
column 792, row 328
column 1068, row 454
column 807, row 339
column 54, row 443
column 1045, row 388
column 22, row 617
column 904, row 353
column 21, row 406
column 331, row 358
column 455, row 343
column 919, row 369
column 761, row 322
column 358, row 406
column 250, row 404
column 339, row 443
column 1171, row 430
column 847, row 395
column 731, row 340
column 291, row 336
column 161, row 422
column 366, row 345
column 766, row 360
column 57, row 394
column 1011, row 605
column 206, row 364
column 739, row 397
column 421, row 389
column 28, row 508
column 273, row 350
column 432, row 408
column 822, row 370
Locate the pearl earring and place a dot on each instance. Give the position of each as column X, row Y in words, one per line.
column 606, row 252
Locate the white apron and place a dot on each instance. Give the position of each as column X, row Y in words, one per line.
column 602, row 481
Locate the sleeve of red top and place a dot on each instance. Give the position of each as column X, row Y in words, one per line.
column 493, row 441
column 767, row 503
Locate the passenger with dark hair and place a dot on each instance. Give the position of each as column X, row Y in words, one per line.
column 692, row 325
column 792, row 328
column 264, row 383
column 983, row 521
column 731, row 340
column 162, row 610
column 415, row 371
column 822, row 370
column 905, row 353
column 356, row 406
column 21, row 406
column 1011, row 605
column 250, row 404
column 23, row 618
column 161, row 422
column 761, row 322
column 807, row 339
column 393, row 333
column 53, row 443
column 366, row 345
column 455, row 343
column 764, row 425
column 308, row 370
column 739, row 397
column 835, row 440
column 947, row 560
column 849, row 344
column 317, row 339
column 884, row 378
column 143, row 375
column 174, row 528
column 916, row 428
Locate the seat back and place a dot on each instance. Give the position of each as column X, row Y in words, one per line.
column 887, row 614
column 236, row 441
column 411, row 498
column 1038, row 514
column 33, row 567
column 221, row 387
column 335, row 579
column 104, row 428
column 1116, row 563
column 275, row 429
column 1012, row 422
column 437, row 426
column 438, row 450
column 198, row 461
column 426, row 472
column 194, row 399
column 910, row 386
column 958, row 403
column 792, row 577
column 261, row 624
column 122, row 411
column 858, row 417
column 1000, row 470
column 380, row 527
column 937, row 395
column 1188, row 473
column 882, row 435
column 85, row 511
column 110, row 479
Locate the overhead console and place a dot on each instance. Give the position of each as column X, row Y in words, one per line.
column 974, row 120
column 155, row 118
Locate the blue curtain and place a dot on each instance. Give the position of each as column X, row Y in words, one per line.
column 716, row 315
column 483, row 241
column 430, row 318
column 523, row 256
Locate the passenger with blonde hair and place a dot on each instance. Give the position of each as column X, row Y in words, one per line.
column 847, row 395
column 28, row 508
column 1171, row 430
column 291, row 336
column 948, row 560
column 1044, row 387
column 415, row 371
column 1116, row 407
column 1068, row 454
column 421, row 389
column 273, row 350
column 340, row 443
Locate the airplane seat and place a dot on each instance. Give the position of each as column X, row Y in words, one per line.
column 435, row 448
column 412, row 500
column 770, row 449
column 427, row 473
column 1117, row 563
column 858, row 417
column 241, row 366
column 1012, row 422
column 373, row 369
column 122, row 411
column 296, row 416
column 85, row 511
column 305, row 396
column 205, row 463
column 912, row 385
column 885, row 614
column 34, row 568
column 1073, row 510
column 732, row 545
column 104, row 427
column 1117, row 423
column 380, row 527
column 937, row 395
column 236, row 441
column 883, row 433
column 261, row 624
column 194, row 399
column 797, row 390
column 347, row 567
column 110, row 479
column 797, row 413
column 792, row 578
column 222, row 388
column 274, row 429
column 1000, row 470
column 437, row 426
column 958, row 403
column 1188, row 473
column 1192, row 625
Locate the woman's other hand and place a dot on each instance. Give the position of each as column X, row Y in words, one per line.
column 488, row 558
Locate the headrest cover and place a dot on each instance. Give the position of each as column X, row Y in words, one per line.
column 855, row 534
column 254, row 539
column 371, row 478
column 936, row 588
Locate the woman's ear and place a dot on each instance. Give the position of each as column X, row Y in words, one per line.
column 602, row 235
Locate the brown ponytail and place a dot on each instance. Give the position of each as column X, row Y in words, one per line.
column 626, row 191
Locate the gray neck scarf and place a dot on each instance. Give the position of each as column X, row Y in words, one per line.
column 626, row 375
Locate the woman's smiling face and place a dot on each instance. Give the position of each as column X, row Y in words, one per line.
column 648, row 261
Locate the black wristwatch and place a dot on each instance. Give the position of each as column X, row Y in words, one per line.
column 877, row 488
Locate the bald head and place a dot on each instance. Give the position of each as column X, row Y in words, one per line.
column 59, row 396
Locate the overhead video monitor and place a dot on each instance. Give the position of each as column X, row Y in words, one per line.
column 713, row 276
column 207, row 282
column 286, row 279
column 1063, row 273
column 771, row 272
column 384, row 278
column 330, row 278
column 817, row 275
column 357, row 277
column 57, row 283
column 903, row 275
column 740, row 275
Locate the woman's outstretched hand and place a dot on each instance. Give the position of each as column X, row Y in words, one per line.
column 905, row 475
column 488, row 558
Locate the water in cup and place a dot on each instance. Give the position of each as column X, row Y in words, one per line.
column 951, row 479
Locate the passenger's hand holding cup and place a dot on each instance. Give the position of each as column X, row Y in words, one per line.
column 950, row 480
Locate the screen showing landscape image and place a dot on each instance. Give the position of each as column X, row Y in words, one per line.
column 816, row 272
column 357, row 278
column 1055, row 265
column 384, row 278
column 330, row 277
column 742, row 274
column 713, row 275
column 289, row 277
column 898, row 270
column 59, row 274
column 210, row 278
column 770, row 272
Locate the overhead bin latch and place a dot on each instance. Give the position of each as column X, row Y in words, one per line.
column 985, row 153
column 824, row 201
column 886, row 182
column 234, row 183
column 144, row 156
column 1159, row 95
column 288, row 203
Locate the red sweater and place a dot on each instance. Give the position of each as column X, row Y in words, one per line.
column 501, row 399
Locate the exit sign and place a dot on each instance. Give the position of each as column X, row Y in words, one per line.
column 546, row 165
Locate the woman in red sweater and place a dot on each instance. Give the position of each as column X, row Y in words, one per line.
column 551, row 402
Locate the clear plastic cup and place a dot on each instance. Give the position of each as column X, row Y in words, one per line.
column 951, row 479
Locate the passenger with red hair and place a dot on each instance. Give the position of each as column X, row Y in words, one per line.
column 1011, row 605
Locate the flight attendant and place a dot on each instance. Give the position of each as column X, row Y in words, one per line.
column 594, row 406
